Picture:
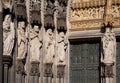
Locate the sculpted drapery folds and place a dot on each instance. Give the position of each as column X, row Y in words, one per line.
column 62, row 46
column 35, row 43
column 22, row 40
column 49, row 46
column 109, row 46
column 8, row 35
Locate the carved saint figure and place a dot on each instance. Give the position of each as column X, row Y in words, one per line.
column 109, row 51
column 35, row 43
column 62, row 46
column 8, row 35
column 109, row 46
column 22, row 40
column 49, row 46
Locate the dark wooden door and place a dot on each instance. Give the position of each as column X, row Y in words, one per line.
column 118, row 62
column 84, row 62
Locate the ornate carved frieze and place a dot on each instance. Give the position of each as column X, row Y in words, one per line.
column 34, row 71
column 61, row 19
column 60, row 71
column 48, row 70
column 86, row 25
column 49, row 13
column 20, row 9
column 87, row 13
column 35, row 12
column 87, row 3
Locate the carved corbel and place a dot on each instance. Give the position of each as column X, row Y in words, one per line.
column 35, row 12
column 20, row 9
column 34, row 68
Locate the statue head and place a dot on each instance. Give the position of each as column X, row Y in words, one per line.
column 36, row 28
column 62, row 34
column 21, row 25
column 7, row 18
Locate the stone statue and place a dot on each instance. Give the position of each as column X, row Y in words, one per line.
column 22, row 40
column 8, row 35
column 109, row 53
column 62, row 46
column 49, row 46
column 35, row 43
column 109, row 46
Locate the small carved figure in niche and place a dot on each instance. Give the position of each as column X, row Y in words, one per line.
column 49, row 46
column 62, row 46
column 22, row 40
column 35, row 43
column 8, row 35
column 109, row 46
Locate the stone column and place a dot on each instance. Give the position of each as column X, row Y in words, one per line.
column 1, row 39
column 20, row 71
column 34, row 72
column 48, row 73
column 60, row 73
column 7, row 62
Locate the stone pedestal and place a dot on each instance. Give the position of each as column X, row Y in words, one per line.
column 7, row 62
column 20, row 71
column 48, row 73
column 34, row 72
column 61, row 73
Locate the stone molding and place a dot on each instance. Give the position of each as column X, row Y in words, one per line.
column 7, row 60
